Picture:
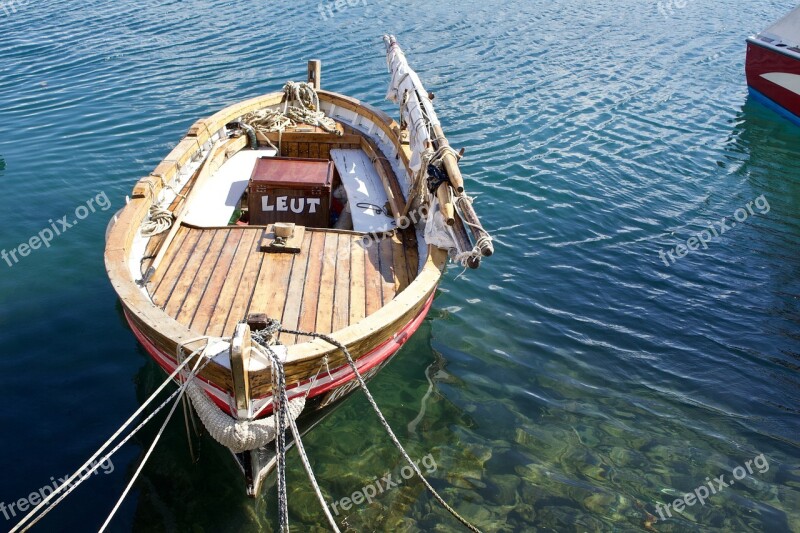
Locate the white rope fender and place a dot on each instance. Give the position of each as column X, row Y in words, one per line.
column 237, row 435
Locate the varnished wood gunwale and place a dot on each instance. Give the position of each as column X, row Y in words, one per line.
column 304, row 359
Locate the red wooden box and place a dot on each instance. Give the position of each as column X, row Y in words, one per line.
column 295, row 190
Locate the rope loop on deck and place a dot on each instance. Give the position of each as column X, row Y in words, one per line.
column 160, row 220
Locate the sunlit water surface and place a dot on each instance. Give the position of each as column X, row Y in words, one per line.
column 572, row 384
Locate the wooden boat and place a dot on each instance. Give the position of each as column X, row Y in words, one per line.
column 773, row 66
column 204, row 255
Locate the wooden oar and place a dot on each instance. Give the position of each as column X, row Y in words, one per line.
column 220, row 153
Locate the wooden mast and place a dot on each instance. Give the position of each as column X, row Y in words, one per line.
column 315, row 73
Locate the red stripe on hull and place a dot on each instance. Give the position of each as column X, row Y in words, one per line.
column 762, row 60
column 377, row 357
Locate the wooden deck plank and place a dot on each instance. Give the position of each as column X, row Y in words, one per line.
column 327, row 284
column 194, row 265
column 170, row 272
column 219, row 315
column 279, row 287
column 269, row 295
column 372, row 279
column 358, row 292
column 211, row 297
column 400, row 264
column 258, row 302
column 341, row 297
column 177, row 242
column 308, row 313
column 198, row 287
column 220, row 277
column 294, row 297
column 245, row 292
column 388, row 279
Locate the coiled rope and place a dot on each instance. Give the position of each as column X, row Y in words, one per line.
column 305, row 109
column 160, row 221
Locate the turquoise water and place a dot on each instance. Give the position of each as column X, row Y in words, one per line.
column 572, row 384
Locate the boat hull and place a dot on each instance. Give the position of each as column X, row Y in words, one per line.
column 773, row 77
column 323, row 393
column 314, row 369
column 328, row 389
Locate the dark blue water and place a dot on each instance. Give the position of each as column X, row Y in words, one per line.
column 572, row 384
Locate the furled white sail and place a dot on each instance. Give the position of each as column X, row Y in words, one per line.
column 407, row 90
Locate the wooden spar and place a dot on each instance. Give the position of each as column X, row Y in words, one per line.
column 444, row 194
column 463, row 243
column 471, row 220
column 315, row 73
column 450, row 161
column 240, row 363
column 218, row 155
column 467, row 211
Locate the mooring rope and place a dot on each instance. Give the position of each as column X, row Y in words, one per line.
column 263, row 339
column 310, row 472
column 181, row 392
column 280, row 411
column 91, row 465
column 391, row 433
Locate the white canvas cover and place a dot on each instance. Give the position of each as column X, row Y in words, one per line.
column 418, row 105
column 214, row 204
column 437, row 232
column 365, row 192
column 786, row 30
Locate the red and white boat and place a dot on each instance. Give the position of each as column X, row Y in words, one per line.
column 773, row 66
